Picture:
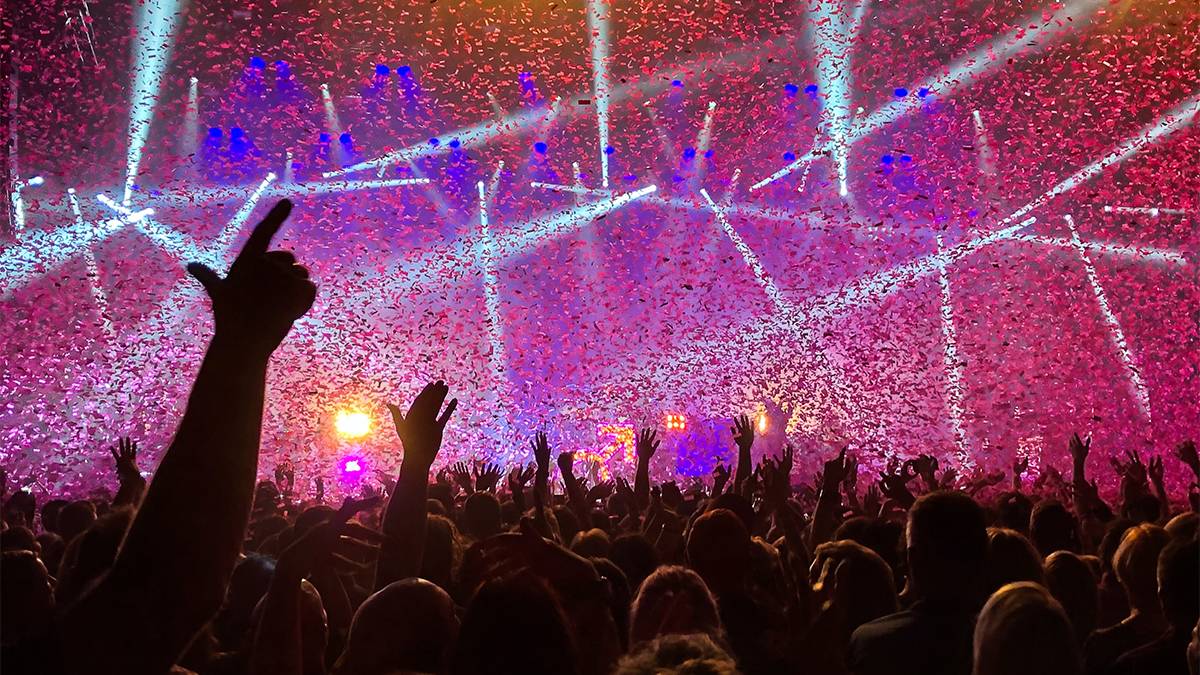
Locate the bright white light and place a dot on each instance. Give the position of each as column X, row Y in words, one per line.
column 1137, row 385
column 35, row 181
column 1138, row 253
column 491, row 289
column 157, row 23
column 70, row 191
column 352, row 424
column 219, row 253
column 597, row 14
column 953, row 366
column 703, row 141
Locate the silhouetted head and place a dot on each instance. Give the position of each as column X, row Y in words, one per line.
column 1010, row 558
column 20, row 508
column 1013, row 510
column 1179, row 583
column 673, row 600
column 737, row 504
column 407, row 625
column 50, row 511
column 1143, row 508
column 247, row 585
column 1114, row 531
column 1053, row 528
column 1073, row 584
column 636, row 557
column 947, row 547
column 481, row 515
column 26, row 599
column 678, row 655
column 515, row 625
column 1023, row 630
column 593, row 543
column 718, row 548
column 881, row 536
column 443, row 551
column 91, row 554
column 1136, row 565
column 863, row 586
column 1184, row 526
column 75, row 518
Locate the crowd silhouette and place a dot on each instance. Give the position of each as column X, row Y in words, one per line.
column 485, row 569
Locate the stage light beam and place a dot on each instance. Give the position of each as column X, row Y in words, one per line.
column 157, row 23
column 1137, row 386
column 352, row 424
column 953, row 366
column 597, row 15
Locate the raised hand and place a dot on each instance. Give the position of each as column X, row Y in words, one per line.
column 1135, row 469
column 264, row 292
column 1020, row 466
column 1080, row 448
column 519, row 477
column 836, row 470
column 1155, row 470
column 487, row 478
column 541, row 451
column 720, row 475
column 421, row 430
column 647, row 444
column 600, row 491
column 1186, row 452
column 461, row 474
column 743, row 432
column 285, row 477
column 124, row 453
column 566, row 464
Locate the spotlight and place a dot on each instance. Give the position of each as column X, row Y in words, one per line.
column 257, row 62
column 791, row 89
column 454, row 143
column 382, row 69
column 38, row 180
column 810, row 89
column 236, row 133
column 900, row 92
column 762, row 424
column 676, row 422
column 352, row 423
column 345, row 138
column 404, row 71
column 434, row 142
column 676, row 83
column 351, row 466
column 193, row 80
column 214, row 132
column 323, row 138
column 324, row 87
column 540, row 148
column 70, row 191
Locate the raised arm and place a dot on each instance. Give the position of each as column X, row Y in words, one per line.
column 133, row 486
column 170, row 575
column 743, row 435
column 420, row 433
column 647, row 445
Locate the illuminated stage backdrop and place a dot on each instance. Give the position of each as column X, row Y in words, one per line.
column 967, row 228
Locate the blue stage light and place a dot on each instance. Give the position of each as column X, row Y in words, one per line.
column 454, row 143
column 901, row 92
column 382, row 69
column 791, row 89
column 709, row 153
column 676, row 83
column 540, row 148
column 214, row 132
column 630, row 177
column 346, row 138
column 257, row 62
column 404, row 71
column 789, row 156
column 434, row 142
column 689, row 153
column 923, row 92
column 608, row 149
column 324, row 138
column 887, row 159
column 810, row 89
column 236, row 133
column 905, row 159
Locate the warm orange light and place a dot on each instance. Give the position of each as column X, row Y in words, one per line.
column 762, row 424
column 676, row 422
column 352, row 423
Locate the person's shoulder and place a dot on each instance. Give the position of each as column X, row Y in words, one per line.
column 884, row 625
column 1156, row 658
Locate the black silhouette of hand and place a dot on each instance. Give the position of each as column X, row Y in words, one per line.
column 743, row 432
column 647, row 444
column 421, row 430
column 541, row 451
column 264, row 292
column 487, row 478
column 124, row 453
